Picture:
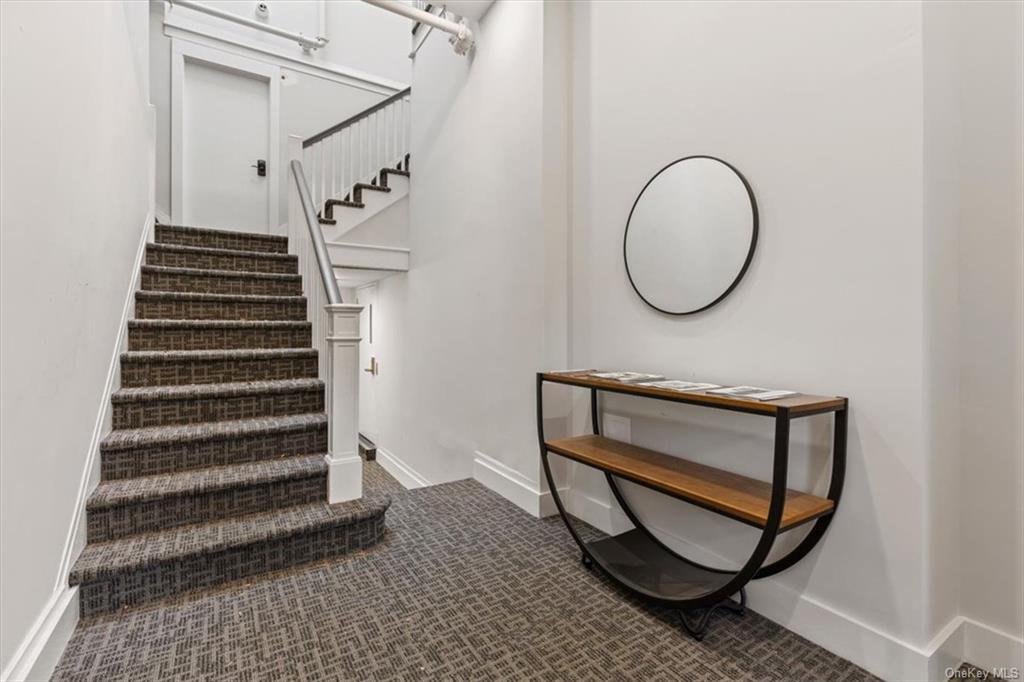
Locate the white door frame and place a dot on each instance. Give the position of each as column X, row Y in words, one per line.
column 182, row 50
column 367, row 398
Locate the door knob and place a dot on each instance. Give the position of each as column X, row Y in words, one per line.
column 261, row 167
column 372, row 369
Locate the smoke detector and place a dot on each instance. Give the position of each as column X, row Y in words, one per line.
column 262, row 10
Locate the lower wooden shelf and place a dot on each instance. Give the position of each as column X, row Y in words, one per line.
column 733, row 495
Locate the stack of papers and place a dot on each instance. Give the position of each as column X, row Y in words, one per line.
column 673, row 385
column 753, row 393
column 627, row 377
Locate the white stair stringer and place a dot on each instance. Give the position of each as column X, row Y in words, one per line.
column 370, row 243
column 388, row 227
column 349, row 218
column 358, row 264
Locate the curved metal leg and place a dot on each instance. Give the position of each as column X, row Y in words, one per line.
column 700, row 628
column 835, row 489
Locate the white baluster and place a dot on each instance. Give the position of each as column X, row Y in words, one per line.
column 371, row 158
column 405, row 128
column 396, row 145
column 323, row 175
column 332, row 142
column 354, row 148
column 343, row 157
column 363, row 152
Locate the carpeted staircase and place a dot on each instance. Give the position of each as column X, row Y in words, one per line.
column 214, row 469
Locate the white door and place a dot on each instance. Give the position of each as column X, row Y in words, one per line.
column 367, row 297
column 225, row 124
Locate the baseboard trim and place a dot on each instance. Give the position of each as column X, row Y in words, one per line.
column 512, row 485
column 990, row 648
column 90, row 473
column 878, row 652
column 39, row 653
column 404, row 473
column 597, row 513
column 44, row 643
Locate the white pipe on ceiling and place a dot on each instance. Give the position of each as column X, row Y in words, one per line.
column 306, row 42
column 461, row 37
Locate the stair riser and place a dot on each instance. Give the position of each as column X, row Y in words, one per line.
column 149, row 460
column 209, row 261
column 194, row 573
column 220, row 284
column 166, row 234
column 219, row 310
column 224, row 339
column 176, row 372
column 154, row 515
column 359, row 193
column 142, row 414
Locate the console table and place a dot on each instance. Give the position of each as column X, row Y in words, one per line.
column 640, row 562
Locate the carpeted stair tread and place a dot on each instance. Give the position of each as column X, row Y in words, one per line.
column 342, row 202
column 232, row 389
column 214, row 251
column 154, row 304
column 178, row 234
column 366, row 185
column 147, row 294
column 215, row 258
column 391, row 171
column 127, row 439
column 146, row 488
column 216, row 354
column 218, row 324
column 281, row 276
column 100, row 560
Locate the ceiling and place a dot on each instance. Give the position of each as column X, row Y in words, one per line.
column 471, row 9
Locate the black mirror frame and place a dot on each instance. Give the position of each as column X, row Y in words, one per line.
column 750, row 251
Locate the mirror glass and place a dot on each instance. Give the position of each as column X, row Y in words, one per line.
column 691, row 235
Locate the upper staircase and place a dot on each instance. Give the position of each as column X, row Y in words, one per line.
column 214, row 469
column 359, row 174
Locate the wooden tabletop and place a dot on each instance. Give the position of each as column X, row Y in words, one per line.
column 797, row 405
column 733, row 495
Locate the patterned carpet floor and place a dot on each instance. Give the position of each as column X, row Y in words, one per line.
column 464, row 586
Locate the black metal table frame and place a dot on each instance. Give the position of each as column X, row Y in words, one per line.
column 753, row 568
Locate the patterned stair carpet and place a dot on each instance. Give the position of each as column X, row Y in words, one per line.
column 214, row 470
column 465, row 586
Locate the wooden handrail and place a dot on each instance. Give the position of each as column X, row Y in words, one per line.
column 355, row 119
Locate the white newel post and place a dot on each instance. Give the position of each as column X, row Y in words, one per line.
column 345, row 468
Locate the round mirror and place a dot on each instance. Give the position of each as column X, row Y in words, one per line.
column 691, row 235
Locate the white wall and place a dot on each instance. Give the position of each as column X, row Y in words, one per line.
column 368, row 39
column 77, row 132
column 364, row 40
column 865, row 282
column 973, row 198
column 827, row 128
column 462, row 333
column 990, row 176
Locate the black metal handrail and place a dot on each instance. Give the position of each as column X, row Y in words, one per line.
column 355, row 119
